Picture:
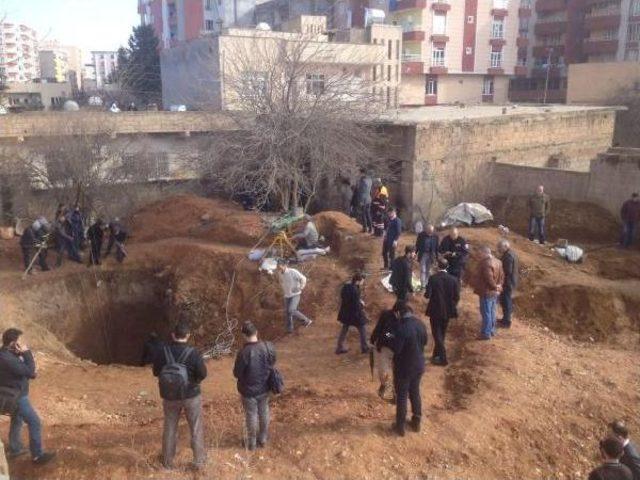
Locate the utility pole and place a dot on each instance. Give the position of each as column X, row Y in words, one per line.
column 546, row 81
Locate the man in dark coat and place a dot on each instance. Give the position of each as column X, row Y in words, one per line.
column 76, row 221
column 443, row 293
column 510, row 267
column 382, row 338
column 391, row 237
column 34, row 237
column 402, row 273
column 95, row 234
column 611, row 469
column 630, row 456
column 65, row 242
column 456, row 250
column 352, row 313
column 364, row 201
column 408, row 366
column 630, row 215
column 427, row 250
column 252, row 369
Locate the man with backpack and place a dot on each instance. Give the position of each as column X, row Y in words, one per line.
column 180, row 369
column 253, row 367
column 382, row 338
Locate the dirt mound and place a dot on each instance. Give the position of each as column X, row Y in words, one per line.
column 191, row 216
column 579, row 222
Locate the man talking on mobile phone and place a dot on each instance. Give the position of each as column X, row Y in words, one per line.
column 17, row 367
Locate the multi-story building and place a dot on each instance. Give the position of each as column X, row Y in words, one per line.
column 456, row 50
column 341, row 14
column 18, row 53
column 178, row 21
column 74, row 61
column 54, row 65
column 196, row 74
column 105, row 64
column 557, row 33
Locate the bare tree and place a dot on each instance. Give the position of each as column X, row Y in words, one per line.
column 303, row 108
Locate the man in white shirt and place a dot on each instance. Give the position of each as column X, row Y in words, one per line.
column 292, row 282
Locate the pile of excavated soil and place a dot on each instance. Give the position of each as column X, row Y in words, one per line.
column 191, row 216
column 579, row 222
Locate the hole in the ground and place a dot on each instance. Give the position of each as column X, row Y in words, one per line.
column 117, row 316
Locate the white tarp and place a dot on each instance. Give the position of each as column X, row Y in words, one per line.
column 466, row 213
column 386, row 283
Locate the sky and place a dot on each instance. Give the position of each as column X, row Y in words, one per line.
column 88, row 24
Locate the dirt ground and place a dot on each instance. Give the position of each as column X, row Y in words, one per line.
column 531, row 404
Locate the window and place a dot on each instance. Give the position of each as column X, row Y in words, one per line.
column 390, row 50
column 525, row 3
column 315, row 84
column 634, row 32
column 439, row 23
column 208, row 5
column 397, row 49
column 253, row 83
column 487, row 86
column 375, row 73
column 632, row 55
column 397, row 73
column 438, row 57
column 497, row 28
column 610, row 34
column 635, row 8
column 496, row 59
column 388, row 97
column 388, row 73
column 208, row 25
column 432, row 86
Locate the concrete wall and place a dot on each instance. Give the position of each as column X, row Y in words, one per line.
column 449, row 158
column 467, row 89
column 614, row 177
column 601, row 83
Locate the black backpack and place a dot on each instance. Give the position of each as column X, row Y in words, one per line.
column 275, row 382
column 174, row 376
column 9, row 400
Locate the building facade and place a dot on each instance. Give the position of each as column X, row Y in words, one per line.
column 554, row 34
column 105, row 64
column 19, row 61
column 456, row 50
column 33, row 96
column 54, row 65
column 179, row 21
column 74, row 61
column 197, row 74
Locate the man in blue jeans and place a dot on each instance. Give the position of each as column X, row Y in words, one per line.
column 488, row 286
column 17, row 367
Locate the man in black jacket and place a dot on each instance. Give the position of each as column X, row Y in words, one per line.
column 408, row 366
column 456, row 250
column 17, row 367
column 253, row 367
column 630, row 456
column 382, row 339
column 352, row 313
column 611, row 468
column 510, row 268
column 95, row 234
column 443, row 293
column 192, row 402
column 402, row 273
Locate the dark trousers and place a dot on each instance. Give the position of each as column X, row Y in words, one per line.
column 388, row 254
column 96, row 251
column 401, row 294
column 362, row 330
column 365, row 217
column 628, row 232
column 506, row 302
column 27, row 256
column 407, row 388
column 439, row 331
column 68, row 246
column 536, row 226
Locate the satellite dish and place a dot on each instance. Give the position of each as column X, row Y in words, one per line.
column 70, row 106
column 264, row 26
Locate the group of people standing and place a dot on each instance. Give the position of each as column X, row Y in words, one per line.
column 68, row 235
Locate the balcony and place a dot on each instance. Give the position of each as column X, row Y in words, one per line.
column 541, row 72
column 441, row 6
column 588, row 3
column 412, row 68
column 524, row 12
column 499, row 12
column 551, row 28
column 543, row 50
column 400, row 5
column 599, row 46
column 497, row 42
column 439, row 38
column 549, row 6
column 438, row 70
column 602, row 22
column 413, row 36
column 522, row 42
column 520, row 70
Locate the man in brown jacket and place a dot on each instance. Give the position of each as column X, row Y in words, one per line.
column 488, row 287
column 539, row 206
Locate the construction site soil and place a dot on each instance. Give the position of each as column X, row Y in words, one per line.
column 530, row 404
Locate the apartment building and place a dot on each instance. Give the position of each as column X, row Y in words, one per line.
column 556, row 33
column 74, row 61
column 456, row 50
column 105, row 64
column 54, row 65
column 179, row 21
column 194, row 74
column 19, row 60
